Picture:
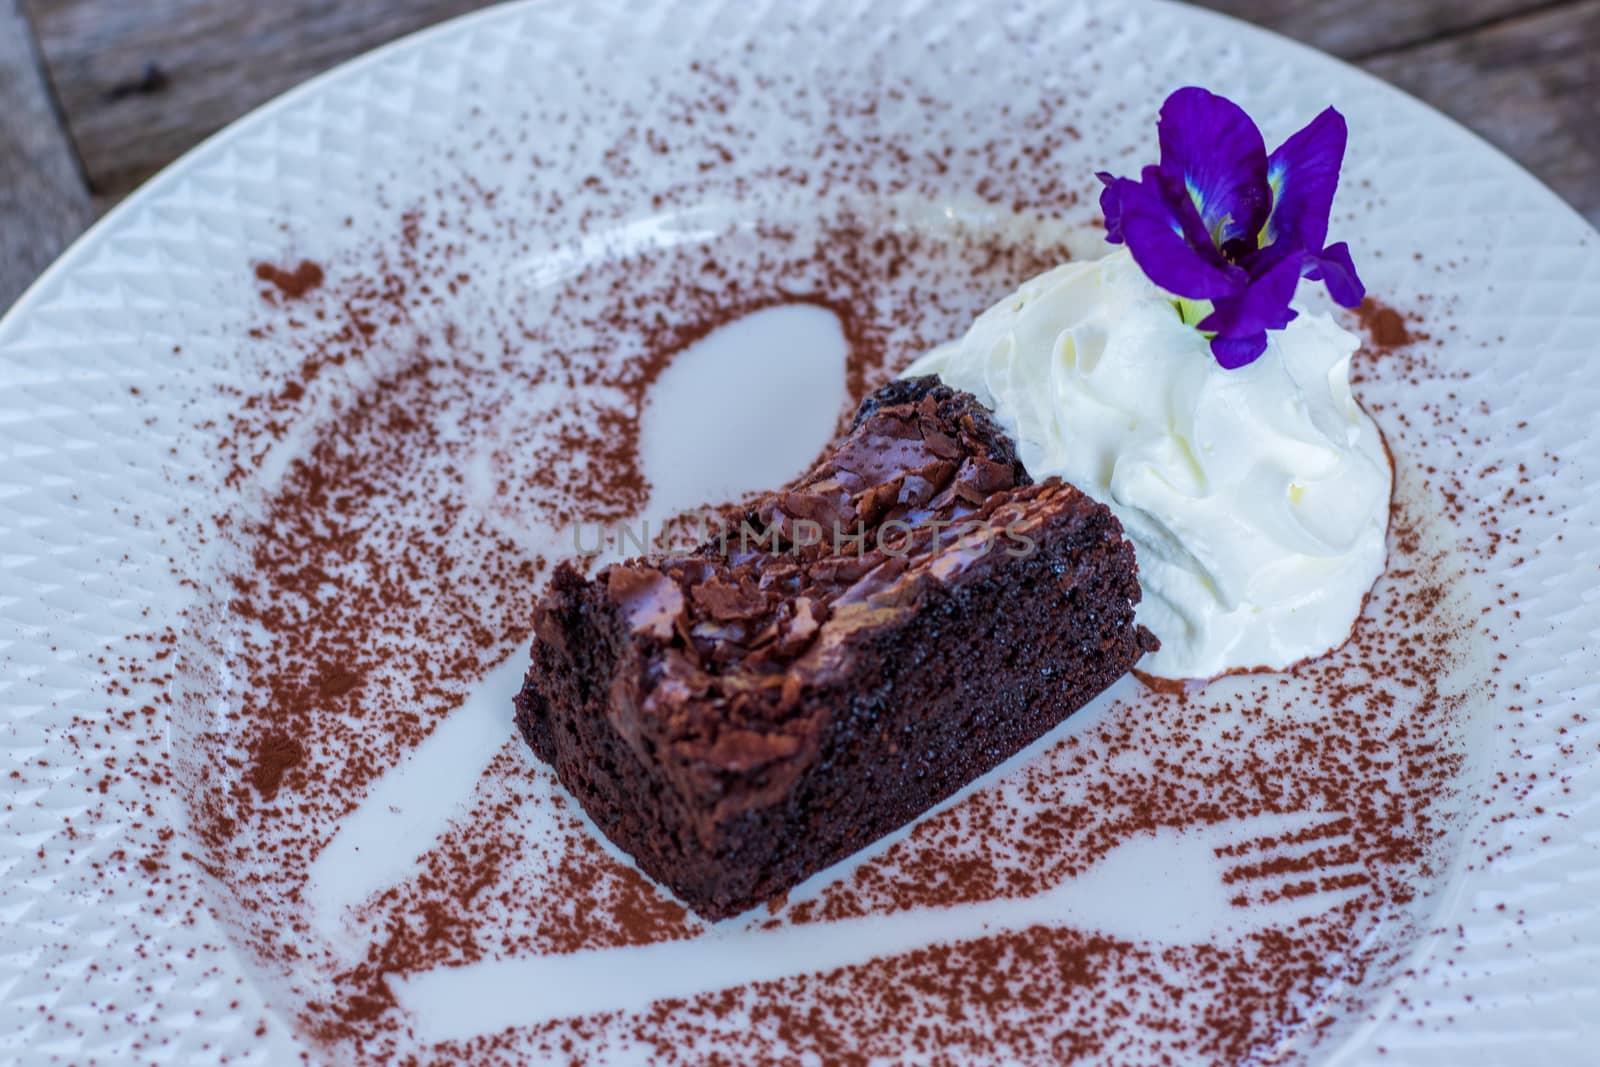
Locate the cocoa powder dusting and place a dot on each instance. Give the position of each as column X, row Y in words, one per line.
column 392, row 565
column 1384, row 326
column 415, row 470
column 291, row 285
column 274, row 756
column 415, row 405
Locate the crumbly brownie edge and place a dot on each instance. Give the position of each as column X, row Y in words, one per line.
column 954, row 406
column 924, row 709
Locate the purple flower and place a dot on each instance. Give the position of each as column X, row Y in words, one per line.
column 1220, row 220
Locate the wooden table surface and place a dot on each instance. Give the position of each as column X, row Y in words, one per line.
column 97, row 95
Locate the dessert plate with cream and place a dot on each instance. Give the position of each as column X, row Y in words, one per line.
column 386, row 680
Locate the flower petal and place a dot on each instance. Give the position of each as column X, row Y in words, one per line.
column 1304, row 174
column 1162, row 229
column 1213, row 146
column 1175, row 196
column 1262, row 305
column 1231, row 353
column 1335, row 268
column 1111, row 205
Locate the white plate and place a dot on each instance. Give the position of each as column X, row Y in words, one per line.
column 130, row 936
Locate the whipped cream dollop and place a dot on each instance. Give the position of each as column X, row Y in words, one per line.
column 1257, row 499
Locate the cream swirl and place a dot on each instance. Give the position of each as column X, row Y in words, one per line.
column 1257, row 499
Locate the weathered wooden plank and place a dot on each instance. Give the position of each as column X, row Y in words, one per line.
column 1357, row 28
column 1530, row 85
column 143, row 82
column 44, row 202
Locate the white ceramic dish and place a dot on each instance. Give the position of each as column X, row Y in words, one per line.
column 123, row 367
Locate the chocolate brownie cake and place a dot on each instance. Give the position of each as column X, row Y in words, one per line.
column 906, row 616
